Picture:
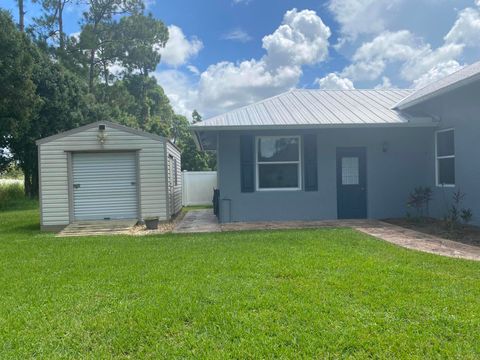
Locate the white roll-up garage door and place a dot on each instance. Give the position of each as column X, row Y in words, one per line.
column 104, row 185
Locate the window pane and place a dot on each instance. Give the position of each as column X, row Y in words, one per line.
column 445, row 143
column 446, row 171
column 350, row 171
column 272, row 176
column 278, row 149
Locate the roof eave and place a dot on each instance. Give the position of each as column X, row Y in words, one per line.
column 406, row 104
column 414, row 122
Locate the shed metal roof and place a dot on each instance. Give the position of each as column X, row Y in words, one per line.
column 459, row 78
column 109, row 124
column 302, row 107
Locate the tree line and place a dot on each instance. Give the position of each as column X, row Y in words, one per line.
column 52, row 82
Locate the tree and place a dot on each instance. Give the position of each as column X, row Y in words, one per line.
column 192, row 158
column 63, row 107
column 50, row 22
column 18, row 98
column 196, row 117
column 139, row 39
column 98, row 20
column 21, row 15
column 150, row 100
column 39, row 98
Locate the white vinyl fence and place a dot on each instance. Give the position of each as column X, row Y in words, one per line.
column 198, row 187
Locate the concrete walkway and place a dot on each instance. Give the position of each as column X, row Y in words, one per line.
column 204, row 221
column 198, row 221
column 98, row 227
column 415, row 240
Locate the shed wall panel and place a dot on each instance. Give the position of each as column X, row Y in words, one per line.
column 175, row 188
column 54, row 174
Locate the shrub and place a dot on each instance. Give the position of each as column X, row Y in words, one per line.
column 419, row 200
column 455, row 212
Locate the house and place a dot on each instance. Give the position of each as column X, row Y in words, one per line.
column 107, row 171
column 320, row 154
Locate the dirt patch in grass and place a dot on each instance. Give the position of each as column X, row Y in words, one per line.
column 465, row 234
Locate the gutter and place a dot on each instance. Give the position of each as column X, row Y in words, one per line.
column 413, row 122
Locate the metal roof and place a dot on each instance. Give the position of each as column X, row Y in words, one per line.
column 459, row 78
column 301, row 107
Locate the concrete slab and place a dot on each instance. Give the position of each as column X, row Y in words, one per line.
column 198, row 221
column 100, row 227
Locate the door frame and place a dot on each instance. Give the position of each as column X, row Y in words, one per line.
column 362, row 152
column 70, row 180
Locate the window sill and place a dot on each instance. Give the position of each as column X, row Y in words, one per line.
column 279, row 189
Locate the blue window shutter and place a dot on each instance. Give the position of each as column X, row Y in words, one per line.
column 310, row 167
column 247, row 163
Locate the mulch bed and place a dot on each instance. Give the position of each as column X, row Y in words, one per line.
column 465, row 234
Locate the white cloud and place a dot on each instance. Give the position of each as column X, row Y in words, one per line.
column 180, row 91
column 358, row 17
column 226, row 85
column 334, row 82
column 402, row 48
column 193, row 69
column 427, row 59
column 301, row 39
column 116, row 69
column 237, row 35
column 371, row 58
column 179, row 49
column 399, row 45
column 365, row 70
column 466, row 29
column 437, row 72
column 385, row 84
column 76, row 35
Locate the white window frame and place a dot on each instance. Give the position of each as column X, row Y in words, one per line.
column 437, row 158
column 299, row 162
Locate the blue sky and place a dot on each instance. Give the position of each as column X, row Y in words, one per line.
column 228, row 53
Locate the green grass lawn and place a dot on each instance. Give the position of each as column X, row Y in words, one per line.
column 295, row 294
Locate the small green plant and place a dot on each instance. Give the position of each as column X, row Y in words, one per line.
column 419, row 200
column 466, row 215
column 455, row 212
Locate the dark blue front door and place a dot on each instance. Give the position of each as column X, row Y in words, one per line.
column 351, row 183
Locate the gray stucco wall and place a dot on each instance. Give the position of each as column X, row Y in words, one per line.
column 391, row 175
column 459, row 110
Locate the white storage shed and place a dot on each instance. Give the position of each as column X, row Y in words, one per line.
column 106, row 171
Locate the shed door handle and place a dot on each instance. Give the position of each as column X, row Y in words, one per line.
column 133, row 183
column 76, row 186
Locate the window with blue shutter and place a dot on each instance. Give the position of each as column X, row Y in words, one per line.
column 247, row 175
